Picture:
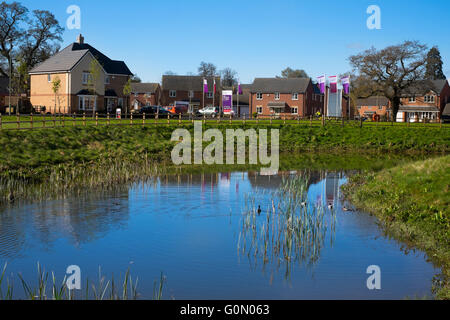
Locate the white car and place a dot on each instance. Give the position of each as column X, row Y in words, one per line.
column 209, row 111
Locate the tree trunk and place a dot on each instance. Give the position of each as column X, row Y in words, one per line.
column 395, row 105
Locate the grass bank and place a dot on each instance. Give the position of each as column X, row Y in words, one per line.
column 73, row 158
column 412, row 202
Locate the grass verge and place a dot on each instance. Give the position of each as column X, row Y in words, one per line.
column 412, row 203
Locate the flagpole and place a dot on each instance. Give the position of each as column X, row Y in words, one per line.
column 214, row 90
column 203, row 94
column 238, row 91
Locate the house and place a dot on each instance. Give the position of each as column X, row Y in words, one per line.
column 144, row 94
column 281, row 97
column 424, row 101
column 89, row 81
column 373, row 105
column 189, row 89
column 445, row 116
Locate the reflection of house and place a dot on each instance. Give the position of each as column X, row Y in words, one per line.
column 144, row 94
column 373, row 105
column 189, row 89
column 81, row 89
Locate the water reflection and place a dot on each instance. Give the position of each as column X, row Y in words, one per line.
column 190, row 226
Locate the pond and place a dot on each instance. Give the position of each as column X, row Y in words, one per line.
column 192, row 228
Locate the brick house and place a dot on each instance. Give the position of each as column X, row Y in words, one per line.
column 77, row 92
column 144, row 94
column 373, row 105
column 425, row 100
column 189, row 89
column 281, row 97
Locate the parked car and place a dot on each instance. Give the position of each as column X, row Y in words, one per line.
column 153, row 110
column 228, row 112
column 209, row 112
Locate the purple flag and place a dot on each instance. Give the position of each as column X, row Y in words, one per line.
column 205, row 86
column 321, row 80
column 239, row 88
column 346, row 84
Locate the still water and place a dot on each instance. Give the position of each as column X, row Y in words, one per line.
column 189, row 228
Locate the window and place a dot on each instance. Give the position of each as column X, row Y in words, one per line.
column 191, row 94
column 86, row 77
column 295, row 96
column 120, row 102
column 209, row 95
column 86, row 103
column 107, row 80
column 172, row 93
column 49, row 78
column 294, row 110
column 380, row 107
column 412, row 99
column 277, row 96
column 429, row 99
column 259, row 96
column 259, row 109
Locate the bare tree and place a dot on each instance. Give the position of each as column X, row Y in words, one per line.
column 391, row 71
column 207, row 69
column 229, row 77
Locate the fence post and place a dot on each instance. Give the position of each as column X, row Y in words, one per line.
column 0, row 121
column 54, row 120
column 96, row 119
column 74, row 117
column 310, row 120
column 440, row 123
column 131, row 118
column 168, row 119
column 43, row 120
column 244, row 119
column 360, row 122
column 231, row 118
column 143, row 119
column 31, row 121
column 84, row 119
column 63, row 120
column 179, row 119
column 204, row 118
column 156, row 118
column 284, row 119
column 18, row 121
column 108, row 121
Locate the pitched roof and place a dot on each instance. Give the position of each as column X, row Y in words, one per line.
column 446, row 111
column 67, row 58
column 4, row 84
column 373, row 101
column 144, row 87
column 187, row 83
column 281, row 85
column 424, row 86
column 418, row 108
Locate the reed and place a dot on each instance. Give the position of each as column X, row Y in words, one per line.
column 104, row 289
column 290, row 230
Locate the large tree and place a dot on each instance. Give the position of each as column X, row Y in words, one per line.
column 207, row 69
column 229, row 77
column 291, row 73
column 26, row 40
column 434, row 65
column 390, row 71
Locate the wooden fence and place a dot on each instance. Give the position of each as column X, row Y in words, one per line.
column 40, row 121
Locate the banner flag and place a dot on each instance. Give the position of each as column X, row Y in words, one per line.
column 214, row 85
column 321, row 81
column 205, row 86
column 239, row 88
column 333, row 84
column 346, row 84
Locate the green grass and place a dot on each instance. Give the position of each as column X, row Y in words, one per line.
column 412, row 202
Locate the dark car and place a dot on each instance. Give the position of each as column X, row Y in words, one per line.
column 153, row 110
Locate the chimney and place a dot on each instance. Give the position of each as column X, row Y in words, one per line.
column 80, row 39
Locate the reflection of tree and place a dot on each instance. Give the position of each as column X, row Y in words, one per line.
column 274, row 181
column 82, row 220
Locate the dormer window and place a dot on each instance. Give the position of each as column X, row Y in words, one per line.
column 412, row 99
column 259, row 96
column 277, row 96
column 429, row 99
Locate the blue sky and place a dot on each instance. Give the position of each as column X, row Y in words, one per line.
column 255, row 38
